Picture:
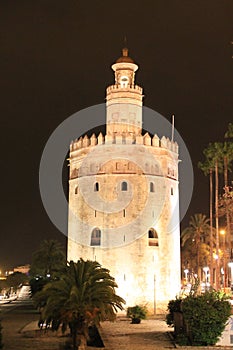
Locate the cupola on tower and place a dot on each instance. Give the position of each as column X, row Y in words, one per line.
column 123, row 198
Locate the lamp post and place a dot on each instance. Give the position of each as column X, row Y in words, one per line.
column 206, row 269
column 223, row 233
column 186, row 271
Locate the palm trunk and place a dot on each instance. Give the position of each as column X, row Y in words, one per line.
column 227, row 234
column 74, row 339
column 198, row 255
column 211, row 228
column 217, row 227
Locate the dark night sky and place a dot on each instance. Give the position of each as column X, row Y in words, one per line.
column 55, row 60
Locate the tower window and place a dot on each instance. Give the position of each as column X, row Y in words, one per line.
column 172, row 191
column 96, row 187
column 124, row 186
column 152, row 187
column 153, row 237
column 124, row 81
column 76, row 190
column 124, row 213
column 95, row 236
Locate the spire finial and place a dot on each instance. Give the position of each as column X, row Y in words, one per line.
column 125, row 41
column 125, row 49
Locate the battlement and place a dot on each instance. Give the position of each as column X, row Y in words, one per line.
column 131, row 88
column 125, row 138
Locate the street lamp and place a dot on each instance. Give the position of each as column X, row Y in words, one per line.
column 186, row 271
column 206, row 269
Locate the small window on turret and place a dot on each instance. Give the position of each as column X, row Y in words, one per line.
column 96, row 187
column 124, row 82
column 76, row 190
column 172, row 191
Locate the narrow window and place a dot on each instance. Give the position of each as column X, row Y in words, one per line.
column 95, row 237
column 152, row 187
column 95, row 213
column 124, row 213
column 124, row 186
column 172, row 191
column 153, row 237
column 96, row 187
column 76, row 190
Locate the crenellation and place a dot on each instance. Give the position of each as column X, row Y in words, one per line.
column 118, row 87
column 124, row 138
column 86, row 141
column 100, row 139
column 93, row 140
column 147, row 139
column 79, row 143
column 139, row 139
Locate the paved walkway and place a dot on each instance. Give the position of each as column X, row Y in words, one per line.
column 149, row 334
column 20, row 332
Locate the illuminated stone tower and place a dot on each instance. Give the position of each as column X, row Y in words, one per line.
column 124, row 199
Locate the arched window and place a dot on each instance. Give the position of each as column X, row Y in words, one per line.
column 152, row 187
column 95, row 237
column 124, row 186
column 153, row 237
column 96, row 187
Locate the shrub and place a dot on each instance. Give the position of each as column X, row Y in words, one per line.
column 204, row 318
column 173, row 306
column 137, row 312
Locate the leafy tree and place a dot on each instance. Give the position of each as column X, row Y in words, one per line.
column 16, row 279
column 48, row 259
column 196, row 235
column 229, row 133
column 47, row 262
column 84, row 294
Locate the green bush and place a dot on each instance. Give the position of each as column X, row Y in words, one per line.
column 173, row 306
column 204, row 318
column 137, row 312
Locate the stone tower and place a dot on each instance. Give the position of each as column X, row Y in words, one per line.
column 123, row 199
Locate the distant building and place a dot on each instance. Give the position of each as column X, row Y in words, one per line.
column 123, row 199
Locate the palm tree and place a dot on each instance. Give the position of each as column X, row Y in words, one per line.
column 214, row 153
column 48, row 259
column 207, row 168
column 196, row 234
column 84, row 294
column 229, row 133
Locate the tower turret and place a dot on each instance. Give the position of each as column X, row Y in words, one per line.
column 124, row 99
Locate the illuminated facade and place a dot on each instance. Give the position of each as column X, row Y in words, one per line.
column 124, row 199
